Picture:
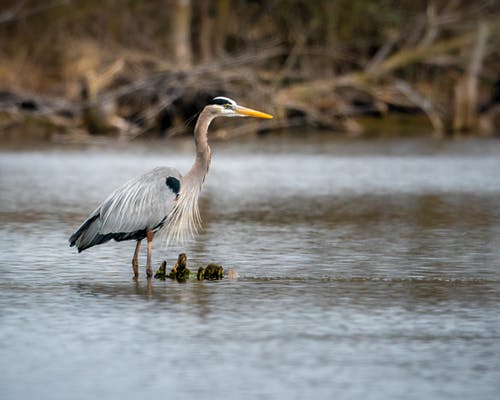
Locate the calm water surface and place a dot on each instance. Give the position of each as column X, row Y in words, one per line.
column 368, row 270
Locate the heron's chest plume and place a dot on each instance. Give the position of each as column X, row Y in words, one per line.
column 184, row 221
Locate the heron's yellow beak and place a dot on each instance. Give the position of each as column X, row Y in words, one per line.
column 251, row 113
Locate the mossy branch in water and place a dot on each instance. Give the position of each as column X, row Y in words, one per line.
column 181, row 273
column 161, row 272
column 211, row 272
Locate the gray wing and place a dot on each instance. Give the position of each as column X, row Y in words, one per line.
column 141, row 204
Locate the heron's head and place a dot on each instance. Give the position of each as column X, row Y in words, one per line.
column 225, row 107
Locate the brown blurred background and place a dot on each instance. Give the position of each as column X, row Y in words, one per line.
column 74, row 69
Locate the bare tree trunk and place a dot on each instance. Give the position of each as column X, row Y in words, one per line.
column 424, row 104
column 466, row 89
column 221, row 24
column 205, row 34
column 181, row 33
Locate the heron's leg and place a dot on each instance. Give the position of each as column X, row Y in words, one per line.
column 135, row 260
column 149, row 237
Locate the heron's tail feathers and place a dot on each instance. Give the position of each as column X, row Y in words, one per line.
column 87, row 234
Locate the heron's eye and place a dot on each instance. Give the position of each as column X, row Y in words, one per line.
column 228, row 106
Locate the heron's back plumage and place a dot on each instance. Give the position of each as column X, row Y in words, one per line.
column 140, row 205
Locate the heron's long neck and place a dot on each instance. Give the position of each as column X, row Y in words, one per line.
column 202, row 161
column 184, row 219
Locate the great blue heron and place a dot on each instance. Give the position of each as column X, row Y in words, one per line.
column 160, row 200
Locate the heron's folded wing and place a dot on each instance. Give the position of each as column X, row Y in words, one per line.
column 141, row 203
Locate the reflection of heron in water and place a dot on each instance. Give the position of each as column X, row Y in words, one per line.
column 160, row 200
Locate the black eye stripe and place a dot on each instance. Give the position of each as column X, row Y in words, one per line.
column 222, row 101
